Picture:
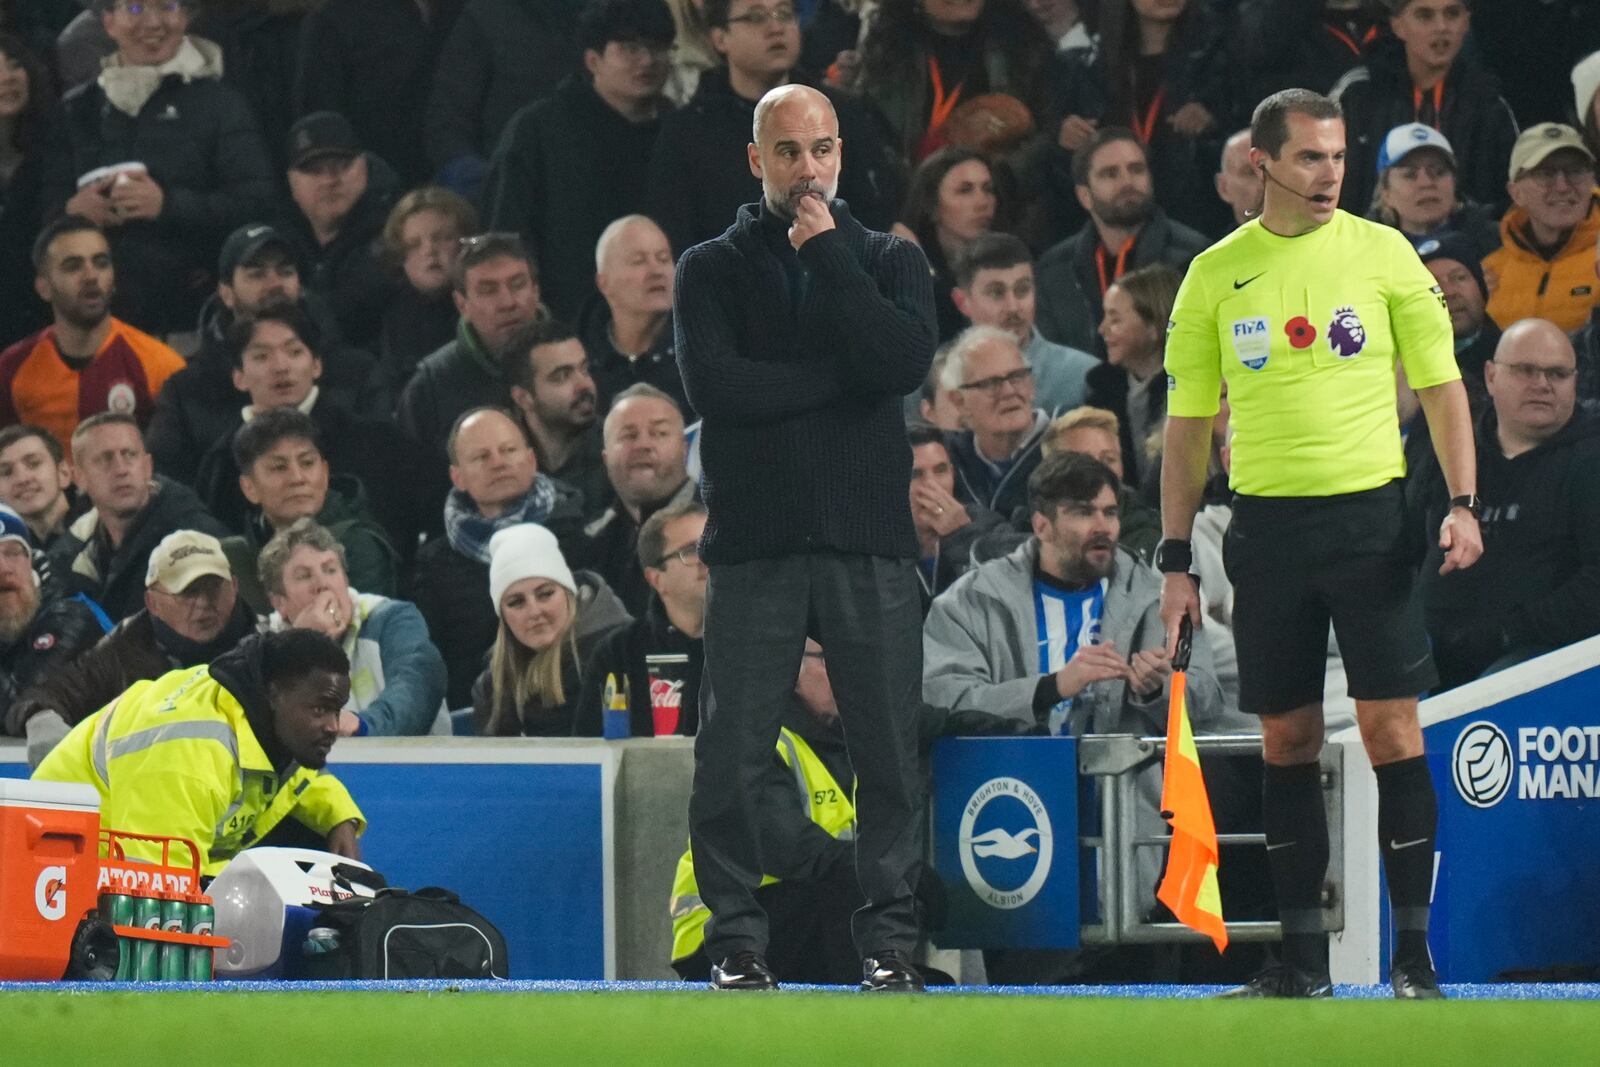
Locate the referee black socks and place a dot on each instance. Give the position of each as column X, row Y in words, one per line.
column 1408, row 818
column 1297, row 854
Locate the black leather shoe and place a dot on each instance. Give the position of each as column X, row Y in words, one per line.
column 1283, row 981
column 888, row 973
column 743, row 970
column 1414, row 981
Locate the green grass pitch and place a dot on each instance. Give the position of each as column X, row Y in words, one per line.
column 817, row 1030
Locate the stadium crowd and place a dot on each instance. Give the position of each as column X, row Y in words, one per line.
column 357, row 316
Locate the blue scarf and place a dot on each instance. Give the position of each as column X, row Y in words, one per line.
column 469, row 531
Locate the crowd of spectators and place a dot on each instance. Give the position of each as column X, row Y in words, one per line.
column 357, row 315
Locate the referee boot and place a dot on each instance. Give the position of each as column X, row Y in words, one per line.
column 1414, row 980
column 888, row 973
column 1281, row 980
column 743, row 970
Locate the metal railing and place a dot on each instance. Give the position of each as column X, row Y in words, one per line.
column 1117, row 760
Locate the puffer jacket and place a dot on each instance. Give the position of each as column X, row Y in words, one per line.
column 1524, row 284
column 200, row 143
column 62, row 627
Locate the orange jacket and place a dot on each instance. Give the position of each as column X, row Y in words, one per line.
column 38, row 387
column 1523, row 284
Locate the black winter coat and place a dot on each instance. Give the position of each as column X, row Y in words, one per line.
column 613, row 372
column 62, row 627
column 1378, row 96
column 414, row 326
column 501, row 56
column 1070, row 301
column 372, row 452
column 114, row 578
column 564, row 169
column 22, row 313
column 1285, row 44
column 198, row 406
column 373, row 62
column 1108, row 389
column 347, row 275
column 201, row 144
column 457, row 378
column 260, row 41
column 700, row 177
column 1538, row 582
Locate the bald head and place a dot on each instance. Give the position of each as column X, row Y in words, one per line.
column 1533, row 383
column 789, row 103
column 1238, row 183
column 796, row 152
column 619, row 232
column 1534, row 336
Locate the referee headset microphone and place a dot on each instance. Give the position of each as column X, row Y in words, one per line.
column 1319, row 198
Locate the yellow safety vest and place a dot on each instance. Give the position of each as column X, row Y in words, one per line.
column 176, row 756
column 826, row 803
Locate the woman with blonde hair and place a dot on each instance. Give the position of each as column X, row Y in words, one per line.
column 692, row 51
column 550, row 621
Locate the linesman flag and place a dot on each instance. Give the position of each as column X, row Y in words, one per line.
column 1189, row 887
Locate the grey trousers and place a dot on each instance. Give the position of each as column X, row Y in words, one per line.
column 866, row 613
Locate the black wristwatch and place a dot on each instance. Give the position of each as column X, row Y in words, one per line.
column 1174, row 556
column 1470, row 502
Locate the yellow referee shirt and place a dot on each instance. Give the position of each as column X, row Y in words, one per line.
column 1306, row 330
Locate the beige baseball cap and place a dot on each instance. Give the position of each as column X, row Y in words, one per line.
column 1536, row 144
column 181, row 557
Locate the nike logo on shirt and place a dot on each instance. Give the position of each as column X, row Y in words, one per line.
column 1397, row 846
column 1247, row 281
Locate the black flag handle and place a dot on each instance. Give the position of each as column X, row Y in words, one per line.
column 1180, row 658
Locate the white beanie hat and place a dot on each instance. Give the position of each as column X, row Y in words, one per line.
column 1585, row 80
column 526, row 550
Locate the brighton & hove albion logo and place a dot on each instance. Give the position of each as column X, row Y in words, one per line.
column 1481, row 764
column 1006, row 843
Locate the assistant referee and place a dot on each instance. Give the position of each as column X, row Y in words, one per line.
column 1305, row 311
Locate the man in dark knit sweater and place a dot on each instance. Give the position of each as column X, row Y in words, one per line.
column 798, row 332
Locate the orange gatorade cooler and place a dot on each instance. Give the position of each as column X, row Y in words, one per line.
column 49, row 871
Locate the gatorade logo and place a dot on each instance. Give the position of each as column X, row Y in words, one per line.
column 50, row 893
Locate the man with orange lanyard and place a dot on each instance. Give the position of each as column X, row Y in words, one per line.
column 1420, row 74
column 1126, row 230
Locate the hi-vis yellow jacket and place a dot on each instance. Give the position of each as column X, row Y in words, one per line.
column 827, row 804
column 176, row 756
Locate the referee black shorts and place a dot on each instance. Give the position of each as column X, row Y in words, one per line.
column 1298, row 563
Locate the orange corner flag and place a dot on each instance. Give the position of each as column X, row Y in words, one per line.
column 1189, row 887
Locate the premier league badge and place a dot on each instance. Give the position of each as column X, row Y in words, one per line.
column 1346, row 336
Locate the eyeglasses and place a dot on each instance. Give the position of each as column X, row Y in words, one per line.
column 15, row 551
column 134, row 8
column 688, row 555
column 758, row 17
column 994, row 385
column 1577, row 174
column 1528, row 372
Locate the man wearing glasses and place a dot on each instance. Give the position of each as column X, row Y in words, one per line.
column 991, row 385
column 569, row 164
column 1539, row 473
column 1544, row 266
column 661, row 652
column 698, row 173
